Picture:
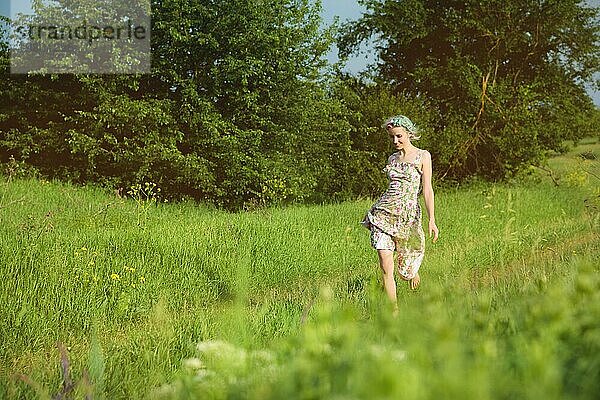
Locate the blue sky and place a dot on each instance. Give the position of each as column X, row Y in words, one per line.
column 4, row 8
column 344, row 9
column 347, row 10
column 14, row 6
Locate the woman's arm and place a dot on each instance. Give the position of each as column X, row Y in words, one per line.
column 428, row 194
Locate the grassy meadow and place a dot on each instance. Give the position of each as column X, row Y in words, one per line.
column 158, row 300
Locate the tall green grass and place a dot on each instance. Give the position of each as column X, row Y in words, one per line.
column 178, row 300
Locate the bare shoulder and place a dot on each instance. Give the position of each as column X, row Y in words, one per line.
column 425, row 160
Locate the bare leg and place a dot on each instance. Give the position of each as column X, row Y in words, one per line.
column 414, row 282
column 386, row 262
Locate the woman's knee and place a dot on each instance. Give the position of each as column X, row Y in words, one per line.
column 386, row 261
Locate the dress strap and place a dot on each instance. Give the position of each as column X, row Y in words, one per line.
column 419, row 156
column 418, row 160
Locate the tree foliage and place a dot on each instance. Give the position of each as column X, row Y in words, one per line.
column 240, row 109
column 506, row 76
column 234, row 111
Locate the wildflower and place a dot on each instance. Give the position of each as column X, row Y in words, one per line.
column 382, row 352
column 222, row 351
column 398, row 355
column 214, row 346
column 193, row 363
column 204, row 374
column 142, row 279
column 115, row 277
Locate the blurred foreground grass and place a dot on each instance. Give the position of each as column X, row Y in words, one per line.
column 182, row 301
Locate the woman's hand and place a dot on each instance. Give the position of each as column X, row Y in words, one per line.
column 433, row 230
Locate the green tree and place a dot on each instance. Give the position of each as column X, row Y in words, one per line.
column 506, row 76
column 258, row 64
column 4, row 56
column 234, row 111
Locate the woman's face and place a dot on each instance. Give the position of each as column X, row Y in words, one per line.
column 399, row 137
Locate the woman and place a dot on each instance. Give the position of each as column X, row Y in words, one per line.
column 395, row 219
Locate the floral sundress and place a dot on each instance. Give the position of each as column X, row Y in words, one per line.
column 398, row 213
